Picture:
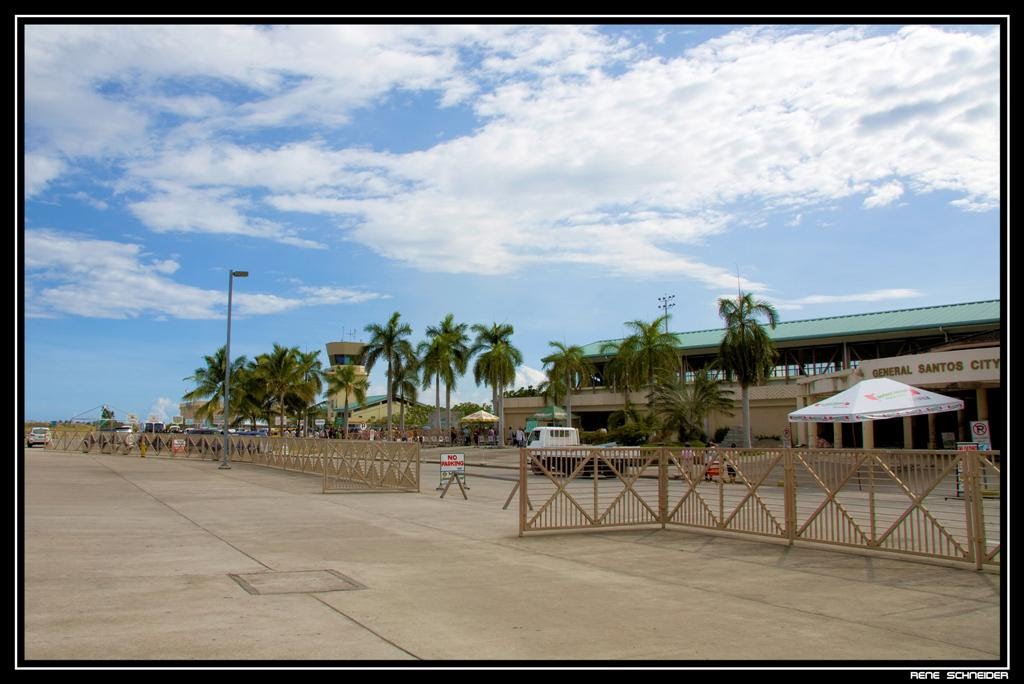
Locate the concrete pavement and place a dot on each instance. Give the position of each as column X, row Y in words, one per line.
column 156, row 559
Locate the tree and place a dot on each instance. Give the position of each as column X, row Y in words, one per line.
column 444, row 355
column 312, row 380
column 684, row 407
column 495, row 364
column 405, row 388
column 646, row 355
column 253, row 399
column 283, row 375
column 346, row 381
column 209, row 382
column 746, row 351
column 569, row 364
column 388, row 342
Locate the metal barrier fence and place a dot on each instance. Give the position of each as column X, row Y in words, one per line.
column 345, row 465
column 938, row 504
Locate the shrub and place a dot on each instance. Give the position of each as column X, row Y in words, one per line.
column 720, row 434
column 628, row 435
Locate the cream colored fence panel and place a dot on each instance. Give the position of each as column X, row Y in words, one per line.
column 359, row 466
column 939, row 504
column 727, row 489
column 590, row 487
column 344, row 465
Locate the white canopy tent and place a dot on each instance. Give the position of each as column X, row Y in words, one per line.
column 480, row 416
column 875, row 399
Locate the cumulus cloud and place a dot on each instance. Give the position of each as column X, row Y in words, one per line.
column 39, row 171
column 872, row 296
column 616, row 160
column 884, row 195
column 82, row 276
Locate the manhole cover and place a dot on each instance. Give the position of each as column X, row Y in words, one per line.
column 298, row 582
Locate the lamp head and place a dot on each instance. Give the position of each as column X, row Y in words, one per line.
column 240, row 274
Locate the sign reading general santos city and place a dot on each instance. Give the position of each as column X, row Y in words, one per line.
column 956, row 366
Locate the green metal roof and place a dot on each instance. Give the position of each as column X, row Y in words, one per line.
column 970, row 313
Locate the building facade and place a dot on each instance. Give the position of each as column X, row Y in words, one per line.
column 954, row 350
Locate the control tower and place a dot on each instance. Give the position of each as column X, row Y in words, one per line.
column 344, row 354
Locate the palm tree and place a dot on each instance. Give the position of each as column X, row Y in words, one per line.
column 746, row 350
column 496, row 364
column 282, row 374
column 407, row 376
column 253, row 400
column 568, row 362
column 643, row 358
column 388, row 342
column 685, row 407
column 209, row 382
column 344, row 380
column 312, row 373
column 445, row 356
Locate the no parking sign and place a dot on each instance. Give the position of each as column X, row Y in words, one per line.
column 980, row 433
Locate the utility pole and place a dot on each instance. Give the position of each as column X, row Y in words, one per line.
column 666, row 303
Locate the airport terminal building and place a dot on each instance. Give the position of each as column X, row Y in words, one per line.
column 953, row 349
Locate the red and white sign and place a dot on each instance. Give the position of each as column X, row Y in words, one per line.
column 980, row 433
column 453, row 463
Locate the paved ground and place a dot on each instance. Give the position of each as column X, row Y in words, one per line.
column 155, row 559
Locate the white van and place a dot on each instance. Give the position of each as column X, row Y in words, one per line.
column 553, row 437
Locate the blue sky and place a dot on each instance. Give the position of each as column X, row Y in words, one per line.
column 558, row 177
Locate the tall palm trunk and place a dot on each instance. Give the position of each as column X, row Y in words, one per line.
column 746, row 416
column 448, row 405
column 281, row 399
column 437, row 400
column 389, row 399
column 345, row 421
column 568, row 400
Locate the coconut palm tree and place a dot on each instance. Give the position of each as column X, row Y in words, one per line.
column 388, row 342
column 684, row 406
column 496, row 364
column 407, row 375
column 445, row 356
column 746, row 351
column 209, row 382
column 312, row 374
column 346, row 381
column 253, row 400
column 643, row 358
column 569, row 363
column 282, row 373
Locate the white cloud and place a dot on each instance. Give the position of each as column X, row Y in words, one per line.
column 163, row 409
column 526, row 376
column 873, row 296
column 39, row 171
column 622, row 171
column 180, row 209
column 82, row 276
column 883, row 195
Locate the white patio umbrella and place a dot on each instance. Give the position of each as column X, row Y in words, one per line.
column 480, row 417
column 875, row 399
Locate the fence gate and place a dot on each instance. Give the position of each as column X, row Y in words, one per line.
column 939, row 504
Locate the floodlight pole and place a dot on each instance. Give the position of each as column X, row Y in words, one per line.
column 227, row 371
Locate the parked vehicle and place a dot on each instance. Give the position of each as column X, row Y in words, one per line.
column 40, row 436
column 553, row 436
column 173, row 428
column 153, row 427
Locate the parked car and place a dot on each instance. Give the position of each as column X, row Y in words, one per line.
column 173, row 428
column 39, row 435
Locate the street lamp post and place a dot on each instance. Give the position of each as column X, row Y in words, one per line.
column 227, row 370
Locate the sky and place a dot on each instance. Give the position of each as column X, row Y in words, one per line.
column 558, row 177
